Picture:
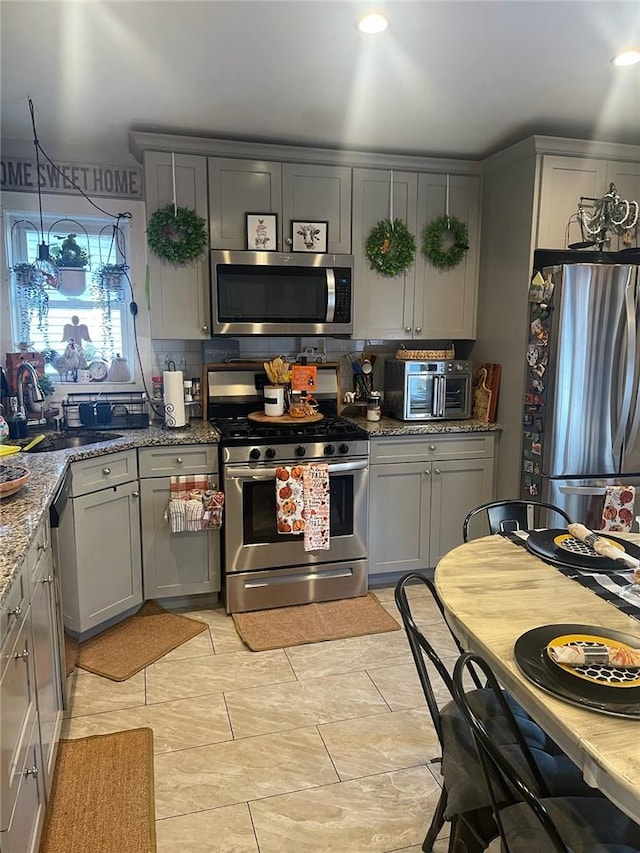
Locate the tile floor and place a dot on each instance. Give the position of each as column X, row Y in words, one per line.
column 323, row 747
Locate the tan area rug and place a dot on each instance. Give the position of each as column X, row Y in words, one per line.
column 102, row 796
column 313, row 623
column 126, row 648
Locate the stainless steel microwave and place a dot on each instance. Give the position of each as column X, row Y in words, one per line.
column 428, row 390
column 274, row 293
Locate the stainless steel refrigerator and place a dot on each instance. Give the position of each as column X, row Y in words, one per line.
column 582, row 398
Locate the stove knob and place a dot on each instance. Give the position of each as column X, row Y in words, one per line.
column 271, row 452
column 344, row 448
column 254, row 453
column 329, row 450
column 300, row 451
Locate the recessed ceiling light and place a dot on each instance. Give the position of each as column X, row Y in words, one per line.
column 629, row 56
column 372, row 23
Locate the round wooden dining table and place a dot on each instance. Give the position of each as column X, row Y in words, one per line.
column 493, row 591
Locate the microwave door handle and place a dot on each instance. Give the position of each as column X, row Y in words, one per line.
column 331, row 295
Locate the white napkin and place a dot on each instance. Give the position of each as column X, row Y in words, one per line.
column 601, row 546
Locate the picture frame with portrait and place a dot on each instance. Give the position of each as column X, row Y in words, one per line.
column 262, row 231
column 309, row 236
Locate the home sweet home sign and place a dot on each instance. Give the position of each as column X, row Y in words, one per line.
column 20, row 174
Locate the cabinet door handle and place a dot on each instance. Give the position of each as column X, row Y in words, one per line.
column 135, row 494
column 179, row 460
column 23, row 655
column 106, row 471
column 427, row 471
column 417, row 329
column 205, row 329
column 17, row 611
column 42, row 546
column 407, row 328
column 432, row 447
column 436, row 471
column 48, row 579
column 31, row 771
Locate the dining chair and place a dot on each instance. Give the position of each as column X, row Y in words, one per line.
column 526, row 816
column 505, row 516
column 464, row 800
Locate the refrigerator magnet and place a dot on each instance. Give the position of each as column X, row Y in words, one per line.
column 536, row 448
column 532, row 356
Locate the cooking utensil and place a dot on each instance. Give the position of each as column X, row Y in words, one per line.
column 33, row 442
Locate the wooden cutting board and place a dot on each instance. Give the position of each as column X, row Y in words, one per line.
column 486, row 389
column 261, row 418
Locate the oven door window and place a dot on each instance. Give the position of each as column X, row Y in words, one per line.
column 259, row 511
column 421, row 390
column 253, row 294
column 456, row 395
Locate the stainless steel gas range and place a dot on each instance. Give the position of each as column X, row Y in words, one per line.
column 264, row 568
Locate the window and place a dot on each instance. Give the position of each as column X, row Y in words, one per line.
column 99, row 327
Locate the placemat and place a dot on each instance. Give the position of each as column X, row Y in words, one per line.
column 605, row 586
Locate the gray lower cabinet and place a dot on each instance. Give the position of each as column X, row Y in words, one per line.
column 420, row 494
column 99, row 542
column 20, row 801
column 176, row 564
column 47, row 652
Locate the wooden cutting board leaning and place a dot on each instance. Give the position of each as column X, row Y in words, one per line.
column 486, row 388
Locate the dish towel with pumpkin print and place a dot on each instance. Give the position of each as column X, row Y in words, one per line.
column 302, row 503
column 193, row 504
column 617, row 512
column 289, row 499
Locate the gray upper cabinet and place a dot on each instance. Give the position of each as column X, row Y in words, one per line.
column 292, row 191
column 179, row 294
column 564, row 181
column 422, row 302
column 445, row 301
column 238, row 187
column 383, row 304
column 318, row 194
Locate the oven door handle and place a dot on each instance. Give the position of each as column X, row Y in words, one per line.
column 245, row 473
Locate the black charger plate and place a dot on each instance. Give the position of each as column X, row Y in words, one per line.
column 531, row 656
column 541, row 543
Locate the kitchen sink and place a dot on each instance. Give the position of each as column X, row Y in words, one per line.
column 64, row 440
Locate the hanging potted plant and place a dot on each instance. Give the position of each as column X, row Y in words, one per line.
column 72, row 261
column 32, row 298
column 107, row 282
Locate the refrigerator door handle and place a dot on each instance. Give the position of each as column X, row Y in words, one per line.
column 625, row 409
column 634, row 421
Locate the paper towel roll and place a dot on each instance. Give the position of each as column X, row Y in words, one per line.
column 174, row 411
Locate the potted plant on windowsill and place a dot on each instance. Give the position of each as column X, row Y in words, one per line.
column 72, row 261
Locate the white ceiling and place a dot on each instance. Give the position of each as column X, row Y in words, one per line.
column 451, row 78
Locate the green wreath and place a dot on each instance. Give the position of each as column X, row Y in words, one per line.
column 177, row 234
column 433, row 239
column 390, row 247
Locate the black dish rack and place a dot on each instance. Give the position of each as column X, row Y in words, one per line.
column 109, row 410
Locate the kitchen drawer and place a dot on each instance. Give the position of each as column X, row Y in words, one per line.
column 178, row 459
column 12, row 613
column 40, row 545
column 18, row 702
column 100, row 472
column 410, row 448
column 28, row 814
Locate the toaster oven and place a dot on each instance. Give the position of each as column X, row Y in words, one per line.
column 428, row 390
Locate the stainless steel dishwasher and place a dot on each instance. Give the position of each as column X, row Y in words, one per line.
column 61, row 522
